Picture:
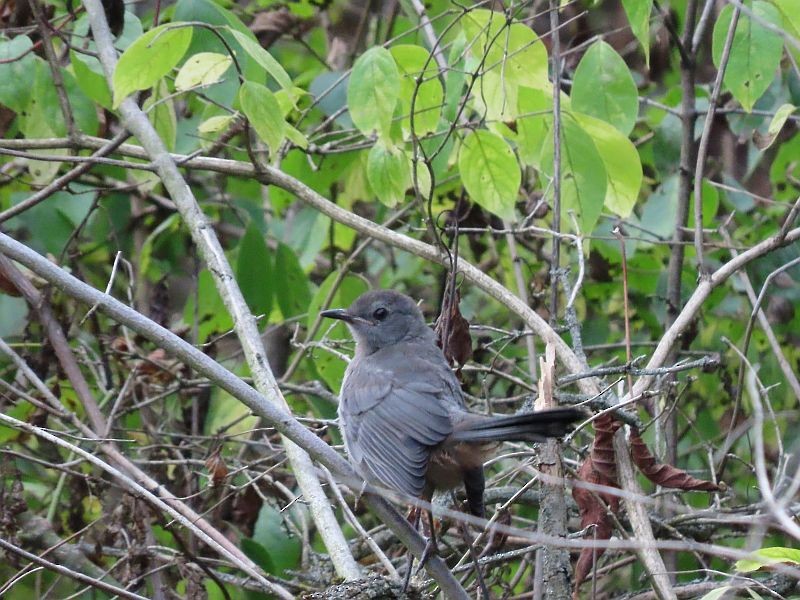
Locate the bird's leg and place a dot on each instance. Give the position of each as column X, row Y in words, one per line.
column 431, row 547
column 413, row 518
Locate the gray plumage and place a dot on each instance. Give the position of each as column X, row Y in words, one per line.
column 402, row 412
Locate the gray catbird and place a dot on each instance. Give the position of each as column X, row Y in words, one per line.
column 402, row 411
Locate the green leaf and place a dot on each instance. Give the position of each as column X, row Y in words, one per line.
column 417, row 65
column 755, row 54
column 790, row 11
column 265, row 60
column 254, row 272
column 768, row 556
column 90, row 78
column 201, row 69
column 215, row 124
column 490, row 172
column 270, row 532
column 455, row 78
column 603, row 87
column 160, row 109
column 291, row 284
column 583, row 174
column 373, row 91
column 389, row 173
column 296, row 137
column 775, row 125
column 718, row 593
column 206, row 309
column 535, row 110
column 621, row 161
column 495, row 96
column 638, row 12
column 710, row 205
column 660, row 210
column 330, row 367
column 264, row 114
column 258, row 554
column 149, row 58
column 203, row 40
column 15, row 87
column 228, row 414
column 514, row 51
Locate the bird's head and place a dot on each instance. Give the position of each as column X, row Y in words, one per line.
column 381, row 318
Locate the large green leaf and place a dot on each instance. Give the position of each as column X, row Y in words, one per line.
column 603, row 87
column 490, row 172
column 638, row 12
column 90, row 78
column 205, row 309
column 15, row 85
column 768, row 556
column 264, row 113
column 790, row 11
column 419, row 84
column 583, row 174
column 228, row 414
column 755, row 53
column 512, row 50
column 202, row 69
column 535, row 110
column 271, row 534
column 225, row 22
column 660, row 210
column 292, row 289
column 254, row 271
column 373, row 91
column 621, row 161
column 149, row 58
column 264, row 59
column 389, row 173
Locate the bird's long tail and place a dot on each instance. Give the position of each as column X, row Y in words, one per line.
column 526, row 427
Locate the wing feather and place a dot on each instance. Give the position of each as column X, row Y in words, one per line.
column 392, row 418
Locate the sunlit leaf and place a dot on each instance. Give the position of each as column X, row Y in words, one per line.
column 490, row 172
column 203, row 68
column 373, row 91
column 264, row 59
column 768, row 556
column 264, row 113
column 603, row 87
column 420, row 85
column 638, row 12
column 388, row 173
column 149, row 58
column 621, row 161
column 513, row 50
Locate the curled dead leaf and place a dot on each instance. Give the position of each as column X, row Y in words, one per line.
column 664, row 474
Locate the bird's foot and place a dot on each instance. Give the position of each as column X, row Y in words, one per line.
column 431, row 549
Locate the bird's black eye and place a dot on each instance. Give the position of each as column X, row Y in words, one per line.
column 380, row 314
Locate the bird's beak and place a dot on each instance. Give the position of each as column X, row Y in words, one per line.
column 338, row 313
column 342, row 315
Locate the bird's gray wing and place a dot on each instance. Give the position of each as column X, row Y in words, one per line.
column 392, row 415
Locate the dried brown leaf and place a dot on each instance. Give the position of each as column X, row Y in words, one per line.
column 664, row 474
column 216, row 468
column 599, row 468
column 451, row 324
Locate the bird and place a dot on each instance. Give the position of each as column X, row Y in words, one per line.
column 402, row 412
